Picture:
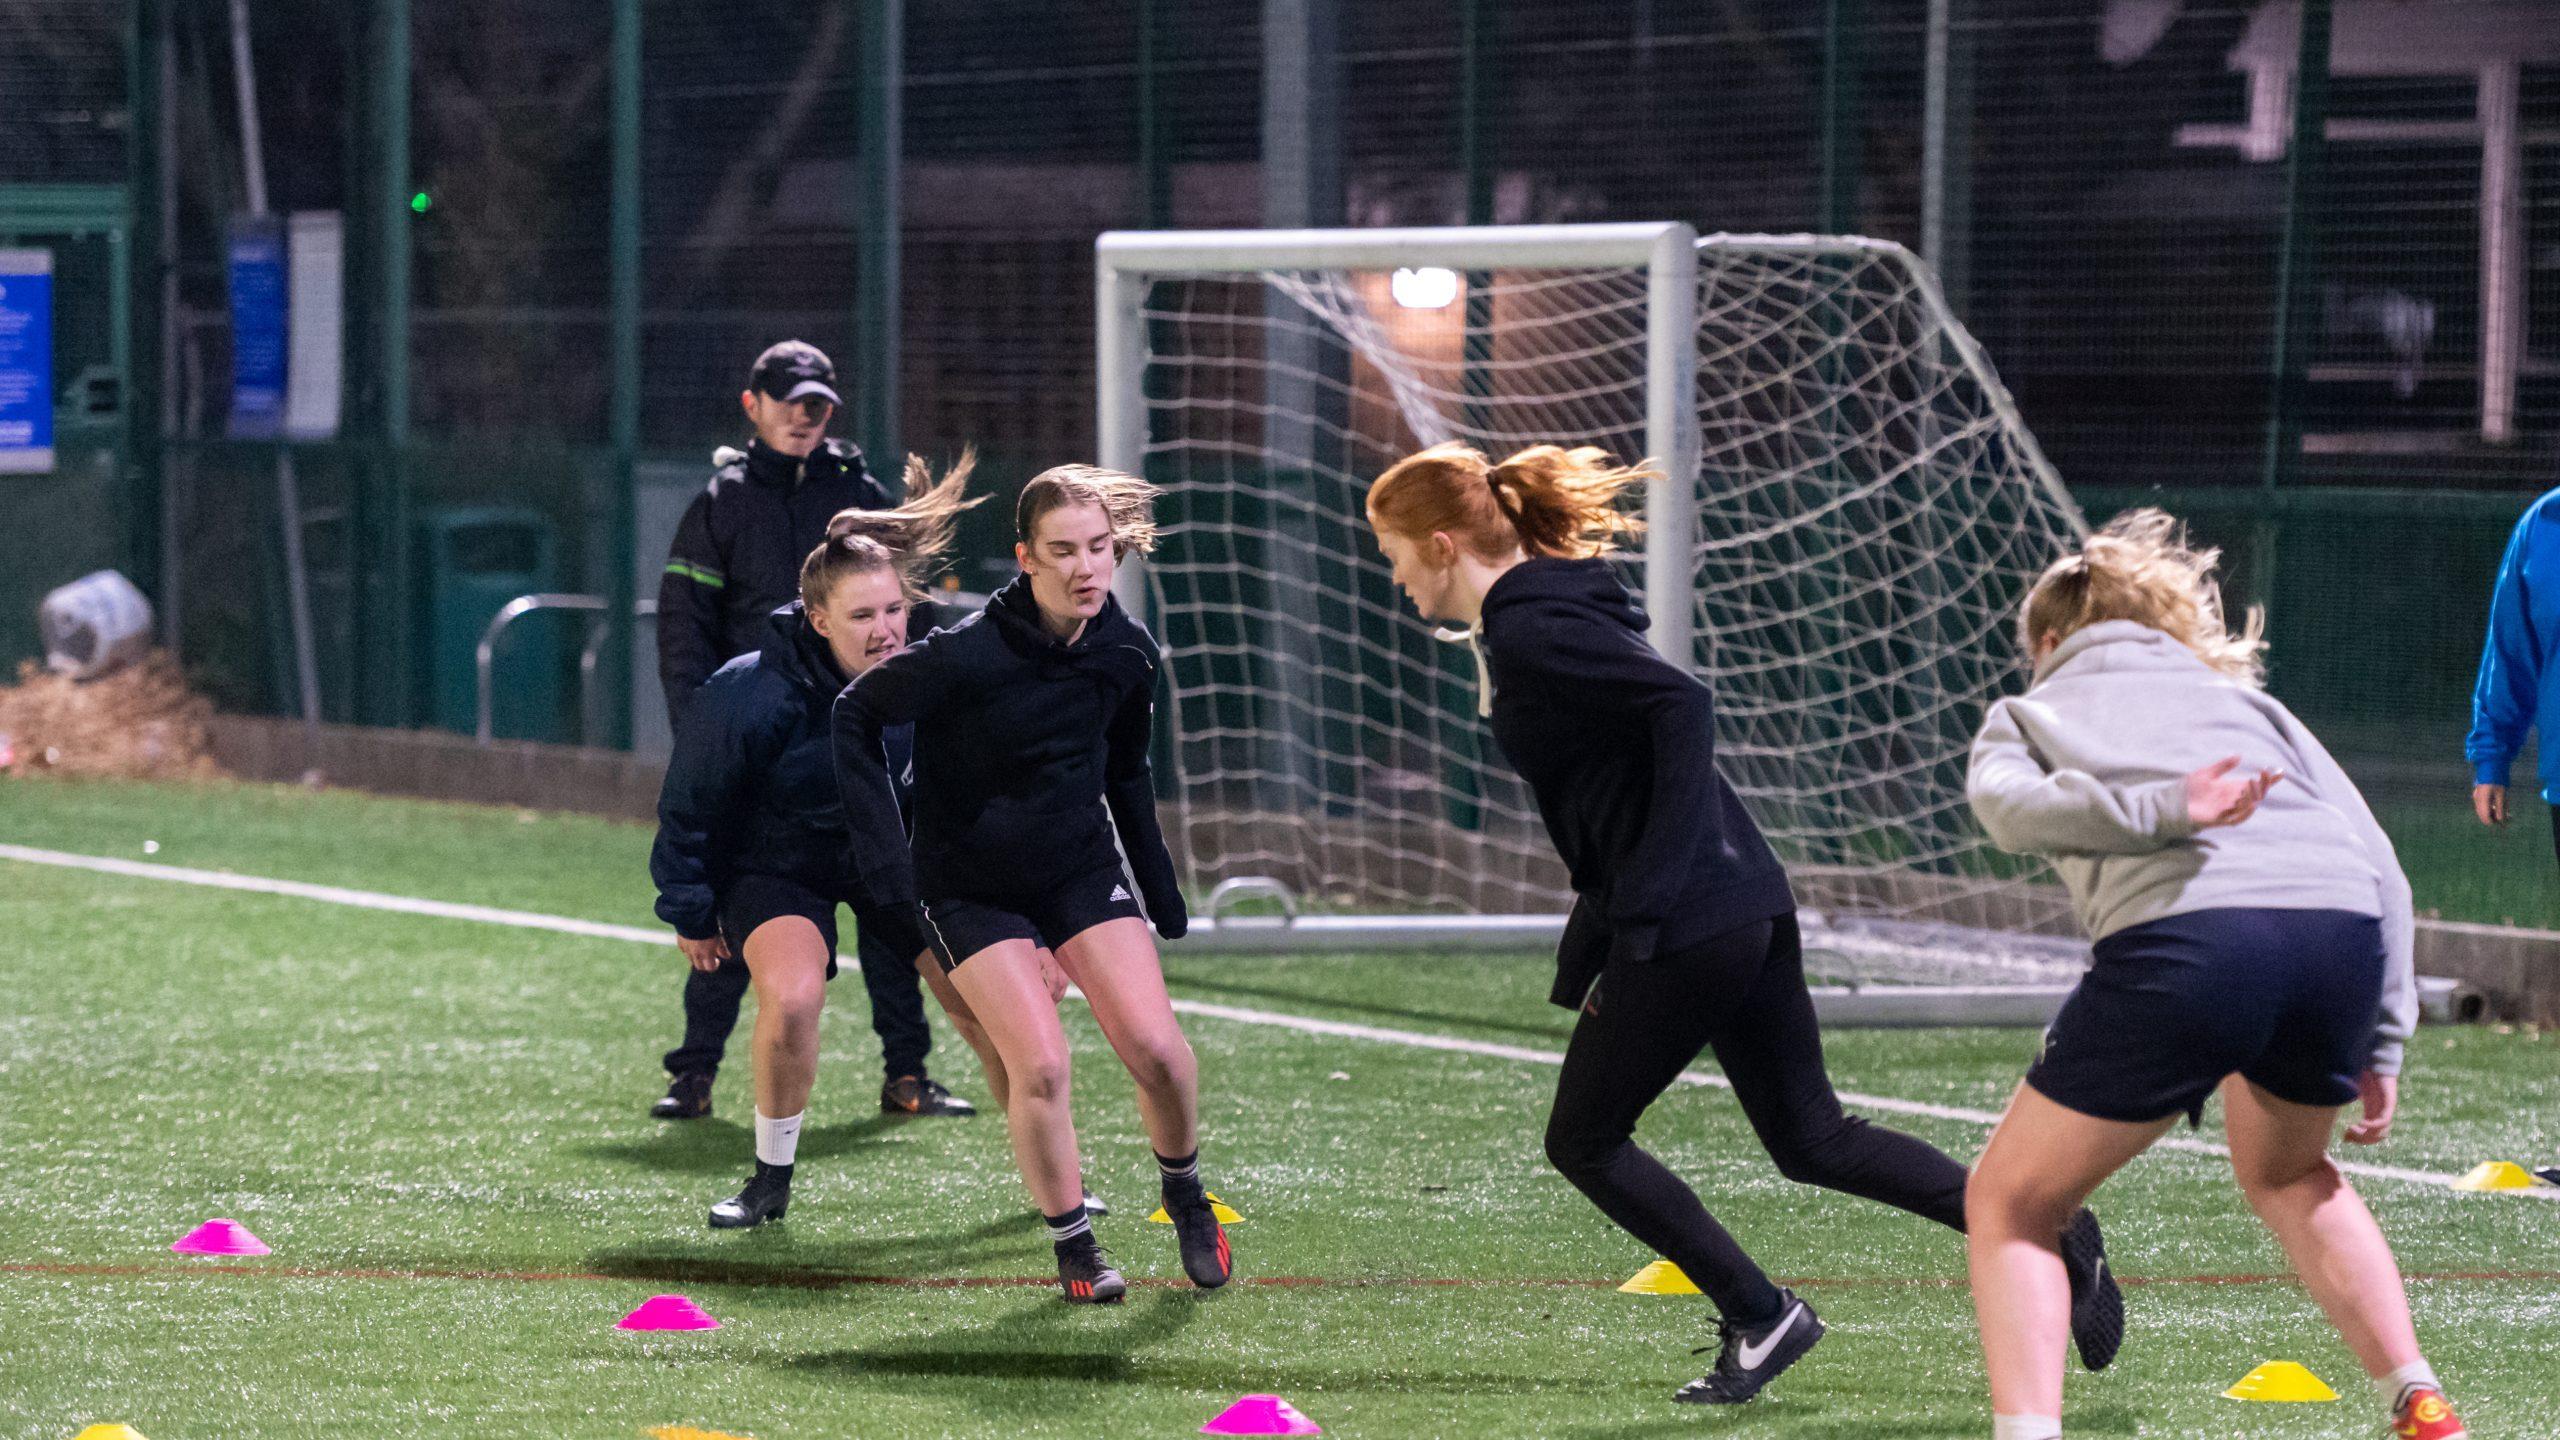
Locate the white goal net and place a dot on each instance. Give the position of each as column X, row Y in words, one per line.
column 1852, row 515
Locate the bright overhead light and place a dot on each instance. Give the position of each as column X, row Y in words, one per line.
column 1427, row 288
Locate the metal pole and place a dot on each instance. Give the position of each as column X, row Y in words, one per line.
column 1475, row 171
column 2296, row 264
column 244, row 85
column 2298, row 260
column 386, row 664
column 141, row 332
column 1155, row 164
column 2502, row 249
column 881, row 44
column 1671, row 440
column 1946, row 148
column 178, row 471
column 621, row 557
column 1843, row 55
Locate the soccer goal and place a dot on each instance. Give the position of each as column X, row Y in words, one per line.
column 1850, row 514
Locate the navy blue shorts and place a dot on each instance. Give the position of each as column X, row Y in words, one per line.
column 960, row 927
column 2287, row 999
column 748, row 901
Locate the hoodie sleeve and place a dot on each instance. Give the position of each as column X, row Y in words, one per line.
column 715, row 759
column 2028, row 810
column 1129, row 788
column 689, row 597
column 1614, row 669
column 2503, row 697
column 2321, row 775
column 897, row 691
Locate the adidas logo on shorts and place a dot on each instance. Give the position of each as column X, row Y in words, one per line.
column 1119, row 892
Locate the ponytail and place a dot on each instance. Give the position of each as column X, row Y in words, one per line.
column 909, row 538
column 2140, row 567
column 1546, row 500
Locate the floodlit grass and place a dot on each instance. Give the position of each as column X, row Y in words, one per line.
column 439, row 1126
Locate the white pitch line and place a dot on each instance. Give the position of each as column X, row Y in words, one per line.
column 335, row 895
column 1304, row 1024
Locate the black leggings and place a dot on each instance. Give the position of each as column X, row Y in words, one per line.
column 1743, row 994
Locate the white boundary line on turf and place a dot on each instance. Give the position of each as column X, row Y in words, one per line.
column 335, row 895
column 1303, row 1024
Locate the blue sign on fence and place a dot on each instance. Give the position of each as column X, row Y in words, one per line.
column 26, row 361
column 257, row 328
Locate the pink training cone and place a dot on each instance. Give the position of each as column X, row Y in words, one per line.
column 220, row 1237
column 1261, row 1415
column 668, row 1312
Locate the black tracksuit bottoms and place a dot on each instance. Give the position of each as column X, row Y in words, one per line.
column 712, row 998
column 1741, row 994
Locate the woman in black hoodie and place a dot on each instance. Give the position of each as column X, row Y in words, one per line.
column 751, row 856
column 1683, row 931
column 1030, row 719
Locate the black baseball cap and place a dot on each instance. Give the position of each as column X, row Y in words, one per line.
column 795, row 370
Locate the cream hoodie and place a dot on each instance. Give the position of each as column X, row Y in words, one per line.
column 2089, row 769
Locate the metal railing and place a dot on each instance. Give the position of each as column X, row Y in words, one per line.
column 599, row 629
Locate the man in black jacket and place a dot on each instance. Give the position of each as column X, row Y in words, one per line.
column 736, row 559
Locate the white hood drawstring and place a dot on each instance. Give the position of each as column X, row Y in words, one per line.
column 1484, row 673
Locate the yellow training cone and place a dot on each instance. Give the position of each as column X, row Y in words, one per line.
column 2497, row 1175
column 1217, row 1207
column 109, row 1432
column 2280, row 1380
column 1660, row 1278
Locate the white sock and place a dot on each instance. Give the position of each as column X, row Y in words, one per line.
column 2397, row 1383
column 2025, row 1427
column 778, row 1141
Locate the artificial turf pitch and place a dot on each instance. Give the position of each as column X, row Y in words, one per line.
column 439, row 1126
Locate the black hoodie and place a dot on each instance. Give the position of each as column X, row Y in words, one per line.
column 1618, row 746
column 1020, row 743
column 751, row 787
column 737, row 554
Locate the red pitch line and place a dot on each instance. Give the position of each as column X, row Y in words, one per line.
column 776, row 1277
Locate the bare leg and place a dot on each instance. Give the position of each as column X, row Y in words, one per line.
column 955, row 1008
column 2280, row 1154
column 787, row 960
column 1115, row 964
column 1003, row 988
column 2040, row 1167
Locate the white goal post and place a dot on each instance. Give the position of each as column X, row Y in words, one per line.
column 1849, row 511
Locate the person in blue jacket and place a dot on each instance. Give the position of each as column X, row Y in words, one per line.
column 2519, row 685
column 753, row 854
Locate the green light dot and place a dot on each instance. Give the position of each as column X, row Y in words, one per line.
column 419, row 202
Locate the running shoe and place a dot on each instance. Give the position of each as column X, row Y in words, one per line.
column 2422, row 1414
column 1085, row 1273
column 2097, row 1305
column 688, row 1097
column 917, row 1095
column 1203, row 1241
column 1746, row 1360
column 766, row 1196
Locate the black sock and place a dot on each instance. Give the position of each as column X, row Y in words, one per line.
column 1069, row 1228
column 1181, row 1177
column 777, row 1172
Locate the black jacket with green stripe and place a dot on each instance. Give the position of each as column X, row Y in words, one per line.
column 737, row 554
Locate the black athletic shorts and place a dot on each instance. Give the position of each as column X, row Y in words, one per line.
column 2287, row 999
column 960, row 927
column 748, row 901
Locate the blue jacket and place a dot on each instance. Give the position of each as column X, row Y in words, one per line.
column 2519, row 684
column 751, row 787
